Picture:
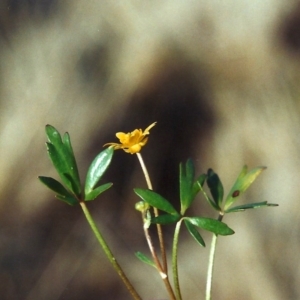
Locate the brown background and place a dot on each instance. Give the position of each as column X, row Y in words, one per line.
column 221, row 80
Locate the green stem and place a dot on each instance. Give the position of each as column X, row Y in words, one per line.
column 210, row 266
column 174, row 260
column 211, row 262
column 108, row 252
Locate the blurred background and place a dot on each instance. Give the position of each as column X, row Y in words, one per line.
column 222, row 81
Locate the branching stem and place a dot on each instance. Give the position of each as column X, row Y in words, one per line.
column 156, row 213
column 162, row 273
column 163, row 269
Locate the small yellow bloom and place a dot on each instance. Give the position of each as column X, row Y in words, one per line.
column 132, row 142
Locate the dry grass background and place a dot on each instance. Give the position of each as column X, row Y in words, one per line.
column 222, row 81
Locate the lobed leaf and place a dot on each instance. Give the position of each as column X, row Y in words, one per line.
column 62, row 156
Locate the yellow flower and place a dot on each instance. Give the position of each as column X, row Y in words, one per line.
column 132, row 142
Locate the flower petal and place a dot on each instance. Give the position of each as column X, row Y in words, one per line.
column 114, row 145
column 146, row 131
column 132, row 142
column 134, row 149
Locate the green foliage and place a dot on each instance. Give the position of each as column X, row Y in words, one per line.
column 216, row 188
column 62, row 157
column 194, row 232
column 243, row 182
column 166, row 219
column 189, row 188
column 61, row 154
column 96, row 170
column 145, row 259
column 249, row 206
column 186, row 184
column 212, row 225
column 156, row 200
column 93, row 194
column 61, row 192
column 198, row 185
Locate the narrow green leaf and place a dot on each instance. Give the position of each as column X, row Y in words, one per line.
column 194, row 232
column 244, row 180
column 186, row 182
column 212, row 225
column 61, row 192
column 156, row 200
column 96, row 192
column 54, row 185
column 249, row 178
column 62, row 168
column 70, row 201
column 53, row 135
column 211, row 202
column 59, row 163
column 145, row 259
column 242, row 173
column 165, row 219
column 72, row 162
column 198, row 185
column 216, row 188
column 250, row 206
column 62, row 157
column 97, row 169
column 74, row 185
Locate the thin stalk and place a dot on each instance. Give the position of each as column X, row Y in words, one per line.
column 162, row 273
column 174, row 260
column 108, row 253
column 156, row 213
column 210, row 267
column 145, row 171
column 211, row 262
column 163, row 269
